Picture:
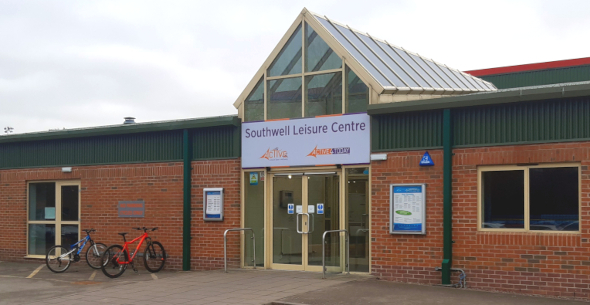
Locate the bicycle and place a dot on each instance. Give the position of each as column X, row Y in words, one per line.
column 58, row 258
column 116, row 258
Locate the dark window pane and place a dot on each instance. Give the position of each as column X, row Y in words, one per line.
column 503, row 199
column 289, row 59
column 318, row 55
column 357, row 93
column 554, row 199
column 324, row 94
column 41, row 238
column 284, row 98
column 69, row 203
column 69, row 235
column 42, row 201
column 254, row 104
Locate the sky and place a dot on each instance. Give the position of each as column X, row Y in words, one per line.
column 76, row 64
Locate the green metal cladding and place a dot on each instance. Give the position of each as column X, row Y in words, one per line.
column 528, row 122
column 407, row 130
column 566, row 119
column 162, row 146
column 540, row 77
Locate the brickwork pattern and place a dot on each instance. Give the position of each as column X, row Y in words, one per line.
column 543, row 263
column 160, row 185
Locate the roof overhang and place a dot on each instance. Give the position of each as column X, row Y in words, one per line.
column 487, row 98
column 124, row 129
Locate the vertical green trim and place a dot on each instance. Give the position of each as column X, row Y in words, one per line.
column 186, row 209
column 447, row 198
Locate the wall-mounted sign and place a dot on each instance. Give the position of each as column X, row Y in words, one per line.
column 131, row 209
column 407, row 209
column 343, row 139
column 213, row 204
column 320, row 208
column 426, row 160
column 254, row 178
column 291, row 208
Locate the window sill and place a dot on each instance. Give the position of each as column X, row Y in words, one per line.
column 501, row 231
column 34, row 256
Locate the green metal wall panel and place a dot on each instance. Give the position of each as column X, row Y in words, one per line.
column 408, row 130
column 540, row 77
column 208, row 143
column 144, row 147
column 541, row 121
column 216, row 143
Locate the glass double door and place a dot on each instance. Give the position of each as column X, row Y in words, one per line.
column 304, row 206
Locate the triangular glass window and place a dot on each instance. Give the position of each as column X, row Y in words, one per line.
column 318, row 55
column 289, row 59
column 254, row 104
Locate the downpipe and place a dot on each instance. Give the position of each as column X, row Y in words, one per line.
column 462, row 278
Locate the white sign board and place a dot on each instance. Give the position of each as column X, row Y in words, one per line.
column 342, row 139
column 407, row 209
column 213, row 204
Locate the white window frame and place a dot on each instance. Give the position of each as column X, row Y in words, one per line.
column 526, row 170
column 57, row 221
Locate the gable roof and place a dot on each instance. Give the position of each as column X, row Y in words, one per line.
column 386, row 68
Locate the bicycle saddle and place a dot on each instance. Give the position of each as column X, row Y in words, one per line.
column 122, row 234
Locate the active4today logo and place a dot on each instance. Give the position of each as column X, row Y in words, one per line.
column 329, row 151
column 275, row 154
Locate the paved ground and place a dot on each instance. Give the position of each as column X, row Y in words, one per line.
column 21, row 284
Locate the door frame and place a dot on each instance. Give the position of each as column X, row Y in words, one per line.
column 268, row 197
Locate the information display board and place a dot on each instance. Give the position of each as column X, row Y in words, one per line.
column 407, row 206
column 213, row 204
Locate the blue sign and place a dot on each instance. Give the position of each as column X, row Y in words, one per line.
column 291, row 208
column 426, row 160
column 320, row 208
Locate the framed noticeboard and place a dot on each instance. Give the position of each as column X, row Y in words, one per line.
column 213, row 204
column 407, row 209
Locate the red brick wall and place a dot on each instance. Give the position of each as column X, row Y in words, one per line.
column 160, row 185
column 555, row 264
column 407, row 258
column 207, row 236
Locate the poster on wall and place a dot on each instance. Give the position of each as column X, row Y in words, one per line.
column 213, row 204
column 407, row 206
column 340, row 139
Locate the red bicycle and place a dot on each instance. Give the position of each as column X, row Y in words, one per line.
column 116, row 258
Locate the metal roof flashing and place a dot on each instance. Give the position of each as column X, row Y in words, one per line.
column 229, row 120
column 502, row 96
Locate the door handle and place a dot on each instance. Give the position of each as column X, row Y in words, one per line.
column 297, row 221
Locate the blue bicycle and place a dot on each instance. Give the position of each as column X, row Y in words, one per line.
column 58, row 258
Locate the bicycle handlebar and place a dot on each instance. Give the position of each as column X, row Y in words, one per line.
column 89, row 230
column 145, row 229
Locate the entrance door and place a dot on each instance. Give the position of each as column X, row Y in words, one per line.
column 297, row 233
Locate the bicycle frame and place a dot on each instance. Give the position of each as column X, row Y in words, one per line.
column 141, row 239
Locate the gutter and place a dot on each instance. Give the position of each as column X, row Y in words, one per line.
column 512, row 95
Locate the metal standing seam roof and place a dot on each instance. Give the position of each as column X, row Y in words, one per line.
column 398, row 69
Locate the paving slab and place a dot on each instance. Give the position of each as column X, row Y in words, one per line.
column 373, row 291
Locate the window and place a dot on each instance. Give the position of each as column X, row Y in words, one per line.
column 305, row 79
column 53, row 215
column 530, row 198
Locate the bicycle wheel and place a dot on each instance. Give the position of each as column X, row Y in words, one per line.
column 58, row 259
column 110, row 267
column 94, row 255
column 154, row 257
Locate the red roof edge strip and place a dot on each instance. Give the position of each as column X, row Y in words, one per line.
column 532, row 67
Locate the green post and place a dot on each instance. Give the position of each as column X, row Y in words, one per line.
column 186, row 210
column 447, row 198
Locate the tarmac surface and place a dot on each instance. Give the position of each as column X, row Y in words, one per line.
column 33, row 283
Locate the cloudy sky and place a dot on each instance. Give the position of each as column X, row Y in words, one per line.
column 69, row 64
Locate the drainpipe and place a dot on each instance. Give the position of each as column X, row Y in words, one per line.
column 186, row 210
column 447, row 198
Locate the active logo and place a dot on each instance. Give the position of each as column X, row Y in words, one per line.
column 329, row 151
column 275, row 154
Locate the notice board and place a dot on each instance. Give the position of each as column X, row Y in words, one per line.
column 213, row 204
column 407, row 206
